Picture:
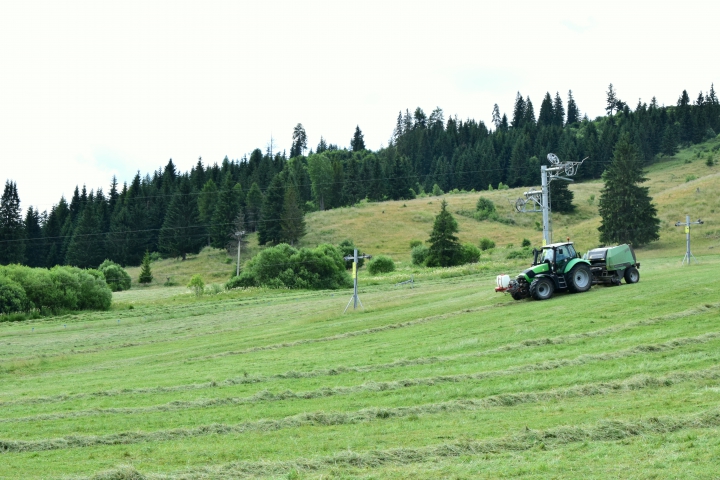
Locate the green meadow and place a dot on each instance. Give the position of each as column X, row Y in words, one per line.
column 441, row 379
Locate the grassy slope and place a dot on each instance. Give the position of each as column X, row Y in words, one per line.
column 387, row 227
column 445, row 380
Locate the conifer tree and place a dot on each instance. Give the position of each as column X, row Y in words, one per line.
column 518, row 112
column 145, row 270
column 445, row 249
column 52, row 232
column 86, row 248
column 226, row 210
column 558, row 111
column 628, row 216
column 293, row 219
column 182, row 232
column 253, row 207
column 207, row 201
column 496, row 116
column 35, row 247
column 357, row 143
column 573, row 114
column 269, row 228
column 321, row 175
column 546, row 117
column 561, row 197
column 12, row 229
column 299, row 143
column 612, row 100
column 670, row 139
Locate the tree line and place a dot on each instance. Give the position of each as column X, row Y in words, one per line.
column 177, row 213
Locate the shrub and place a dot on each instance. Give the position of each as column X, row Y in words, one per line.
column 283, row 266
column 197, row 285
column 522, row 253
column 470, row 253
column 437, row 191
column 419, row 254
column 12, row 297
column 347, row 249
column 486, row 244
column 415, row 243
column 115, row 276
column 526, row 243
column 381, row 264
column 484, row 205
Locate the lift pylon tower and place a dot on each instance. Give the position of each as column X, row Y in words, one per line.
column 355, row 299
column 686, row 224
column 539, row 200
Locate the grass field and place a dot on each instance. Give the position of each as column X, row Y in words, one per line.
column 444, row 380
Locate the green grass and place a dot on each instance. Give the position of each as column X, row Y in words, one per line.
column 444, row 380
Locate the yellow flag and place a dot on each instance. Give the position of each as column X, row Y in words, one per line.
column 687, row 228
column 354, row 269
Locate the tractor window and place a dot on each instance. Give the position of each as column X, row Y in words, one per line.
column 571, row 251
column 548, row 255
column 561, row 254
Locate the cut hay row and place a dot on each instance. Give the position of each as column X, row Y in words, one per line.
column 267, row 396
column 603, row 431
column 254, row 379
column 361, row 416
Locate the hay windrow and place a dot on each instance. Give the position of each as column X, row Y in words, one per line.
column 321, row 418
column 253, row 379
column 603, row 431
column 267, row 396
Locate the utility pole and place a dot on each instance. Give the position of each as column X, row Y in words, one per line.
column 239, row 242
column 355, row 299
column 539, row 200
column 686, row 224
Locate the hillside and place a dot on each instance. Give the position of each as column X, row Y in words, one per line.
column 680, row 185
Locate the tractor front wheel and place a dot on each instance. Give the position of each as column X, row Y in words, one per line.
column 579, row 279
column 542, row 288
column 632, row 275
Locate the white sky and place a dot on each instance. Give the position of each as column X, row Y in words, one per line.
column 89, row 89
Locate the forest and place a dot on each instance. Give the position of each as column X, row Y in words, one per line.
column 177, row 213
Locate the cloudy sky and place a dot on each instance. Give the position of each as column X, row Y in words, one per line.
column 92, row 89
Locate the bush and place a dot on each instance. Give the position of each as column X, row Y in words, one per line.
column 470, row 253
column 381, row 264
column 115, row 276
column 526, row 243
column 197, row 285
column 61, row 288
column 486, row 244
column 283, row 266
column 484, row 205
column 347, row 249
column 419, row 254
column 437, row 191
column 12, row 297
column 522, row 253
column 415, row 243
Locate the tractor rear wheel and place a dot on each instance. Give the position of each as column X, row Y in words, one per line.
column 542, row 288
column 632, row 275
column 579, row 279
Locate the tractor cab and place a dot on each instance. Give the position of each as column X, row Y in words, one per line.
column 556, row 255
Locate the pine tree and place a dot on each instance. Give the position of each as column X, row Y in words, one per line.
column 670, row 139
column 445, row 249
column 496, row 116
column 547, row 115
column 518, row 112
column 145, row 270
column 558, row 111
column 612, row 101
column 561, row 197
column 12, row 229
column 321, row 175
column 628, row 216
column 52, row 233
column 86, row 248
column 293, row 219
column 357, row 143
column 182, row 232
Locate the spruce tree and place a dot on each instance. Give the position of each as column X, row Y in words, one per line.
column 86, row 248
column 628, row 216
column 145, row 270
column 445, row 249
column 547, row 114
column 670, row 139
column 561, row 197
column 357, row 143
column 12, row 229
column 226, row 210
column 299, row 143
column 573, row 113
column 253, row 207
column 558, row 111
column 293, row 220
column 35, row 247
column 182, row 232
column 269, row 229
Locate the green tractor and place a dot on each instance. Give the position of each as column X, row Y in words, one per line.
column 558, row 267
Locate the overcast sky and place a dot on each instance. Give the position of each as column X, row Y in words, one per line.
column 92, row 89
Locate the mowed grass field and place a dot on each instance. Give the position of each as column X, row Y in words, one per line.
column 445, row 380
